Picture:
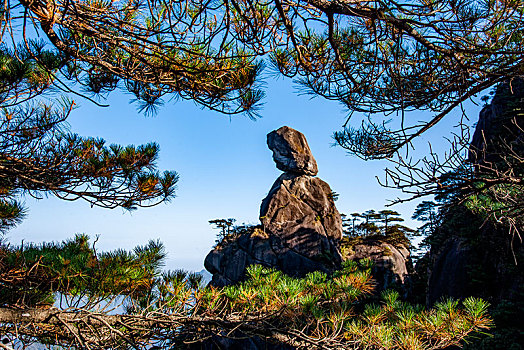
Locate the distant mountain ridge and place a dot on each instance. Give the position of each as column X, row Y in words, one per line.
column 206, row 276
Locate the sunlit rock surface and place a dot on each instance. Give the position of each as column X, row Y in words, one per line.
column 291, row 151
column 301, row 227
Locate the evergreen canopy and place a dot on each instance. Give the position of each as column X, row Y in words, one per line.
column 39, row 155
column 372, row 56
column 382, row 58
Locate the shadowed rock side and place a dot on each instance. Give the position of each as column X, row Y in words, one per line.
column 500, row 122
column 449, row 271
column 301, row 227
column 229, row 260
column 472, row 256
column 481, row 264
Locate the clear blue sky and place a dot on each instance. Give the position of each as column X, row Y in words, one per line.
column 225, row 171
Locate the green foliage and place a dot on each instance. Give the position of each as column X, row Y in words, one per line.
column 11, row 213
column 323, row 306
column 327, row 309
column 493, row 269
column 372, row 226
column 154, row 60
column 225, row 226
column 427, row 212
column 27, row 71
column 397, row 57
column 32, row 275
column 270, row 290
column 500, row 203
column 228, row 231
column 37, row 156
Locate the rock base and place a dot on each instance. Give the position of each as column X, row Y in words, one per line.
column 229, row 260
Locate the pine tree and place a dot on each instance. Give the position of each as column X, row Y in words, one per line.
column 225, row 227
column 39, row 155
column 174, row 309
column 374, row 58
column 382, row 59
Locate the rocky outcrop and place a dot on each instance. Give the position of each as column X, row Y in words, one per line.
column 229, row 260
column 300, row 210
column 500, row 123
column 449, row 271
column 291, row 151
column 391, row 263
column 470, row 255
column 301, row 227
column 476, row 249
column 487, row 265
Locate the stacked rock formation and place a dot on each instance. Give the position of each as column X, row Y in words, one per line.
column 301, row 227
column 299, row 207
column 291, row 152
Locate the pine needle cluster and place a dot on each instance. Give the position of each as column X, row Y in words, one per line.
column 336, row 312
column 37, row 275
column 175, row 308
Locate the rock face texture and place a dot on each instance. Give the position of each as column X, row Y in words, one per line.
column 391, row 264
column 301, row 227
column 499, row 120
column 471, row 256
column 482, row 266
column 449, row 271
column 291, row 151
column 228, row 261
column 301, row 208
